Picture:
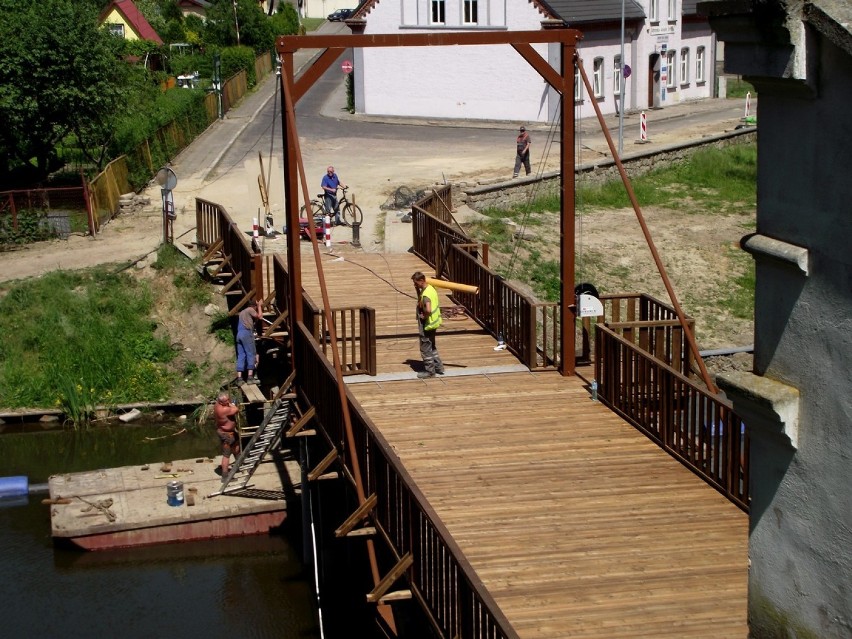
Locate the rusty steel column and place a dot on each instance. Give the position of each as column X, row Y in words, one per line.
column 291, row 192
column 568, row 310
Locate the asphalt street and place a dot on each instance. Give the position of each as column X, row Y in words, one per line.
column 377, row 155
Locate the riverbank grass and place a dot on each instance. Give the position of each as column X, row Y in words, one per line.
column 85, row 339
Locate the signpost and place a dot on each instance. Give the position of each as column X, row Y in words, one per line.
column 346, row 66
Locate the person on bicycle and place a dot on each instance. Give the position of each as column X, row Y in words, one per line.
column 330, row 184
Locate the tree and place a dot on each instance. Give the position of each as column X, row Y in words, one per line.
column 254, row 25
column 59, row 74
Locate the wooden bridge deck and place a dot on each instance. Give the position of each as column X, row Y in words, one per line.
column 576, row 523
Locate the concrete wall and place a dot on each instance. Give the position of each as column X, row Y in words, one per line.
column 797, row 404
column 801, row 531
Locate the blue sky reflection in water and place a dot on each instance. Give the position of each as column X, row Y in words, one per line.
column 251, row 586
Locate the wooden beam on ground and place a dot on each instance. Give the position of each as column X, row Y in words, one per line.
column 300, row 423
column 253, row 393
column 320, row 468
column 359, row 515
column 388, row 580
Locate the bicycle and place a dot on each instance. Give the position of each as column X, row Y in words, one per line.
column 350, row 213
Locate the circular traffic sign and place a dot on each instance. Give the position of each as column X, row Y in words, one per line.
column 627, row 71
column 346, row 66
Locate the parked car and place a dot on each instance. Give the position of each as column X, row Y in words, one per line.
column 340, row 15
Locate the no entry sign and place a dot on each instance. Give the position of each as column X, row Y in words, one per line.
column 346, row 66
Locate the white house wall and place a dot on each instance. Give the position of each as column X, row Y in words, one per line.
column 468, row 82
column 494, row 82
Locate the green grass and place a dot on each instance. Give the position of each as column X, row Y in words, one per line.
column 312, row 24
column 738, row 297
column 81, row 339
column 194, row 291
column 722, row 180
column 738, row 88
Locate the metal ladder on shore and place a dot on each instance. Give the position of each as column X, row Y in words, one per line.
column 277, row 418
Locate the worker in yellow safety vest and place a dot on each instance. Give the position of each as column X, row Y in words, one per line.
column 428, row 321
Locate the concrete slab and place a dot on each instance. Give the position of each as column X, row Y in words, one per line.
column 127, row 506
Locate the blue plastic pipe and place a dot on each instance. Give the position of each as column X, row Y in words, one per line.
column 14, row 486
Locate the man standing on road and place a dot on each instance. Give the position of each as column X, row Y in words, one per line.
column 523, row 152
column 428, row 321
column 330, row 184
column 224, row 412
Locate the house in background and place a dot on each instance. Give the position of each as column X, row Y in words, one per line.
column 194, row 8
column 797, row 403
column 124, row 19
column 669, row 50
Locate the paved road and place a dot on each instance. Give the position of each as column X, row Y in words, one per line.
column 374, row 155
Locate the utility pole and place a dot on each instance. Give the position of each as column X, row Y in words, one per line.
column 236, row 22
column 217, row 83
column 621, row 89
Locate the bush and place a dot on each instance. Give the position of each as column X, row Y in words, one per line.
column 236, row 59
column 32, row 227
column 285, row 21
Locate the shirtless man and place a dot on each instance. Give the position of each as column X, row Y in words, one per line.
column 226, row 427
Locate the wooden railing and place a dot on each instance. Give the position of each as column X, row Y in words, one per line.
column 647, row 322
column 696, row 427
column 212, row 225
column 440, row 577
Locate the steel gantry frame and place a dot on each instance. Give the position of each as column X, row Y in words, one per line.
column 294, row 175
column 561, row 81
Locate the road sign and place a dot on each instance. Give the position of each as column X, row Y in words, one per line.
column 627, row 71
column 346, row 66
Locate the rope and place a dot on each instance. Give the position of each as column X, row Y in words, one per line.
column 532, row 193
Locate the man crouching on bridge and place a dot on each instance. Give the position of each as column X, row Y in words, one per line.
column 428, row 321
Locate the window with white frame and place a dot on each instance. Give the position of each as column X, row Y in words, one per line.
column 699, row 65
column 438, row 12
column 672, row 10
column 684, row 66
column 471, row 12
column 616, row 75
column 671, row 81
column 597, row 81
column 654, row 10
column 116, row 28
column 578, row 85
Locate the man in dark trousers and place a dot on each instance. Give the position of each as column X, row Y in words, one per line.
column 523, row 152
column 428, row 321
column 330, row 184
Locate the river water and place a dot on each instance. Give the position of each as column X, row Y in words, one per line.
column 253, row 586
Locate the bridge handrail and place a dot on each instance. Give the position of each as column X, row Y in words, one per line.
column 440, row 576
column 696, row 427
